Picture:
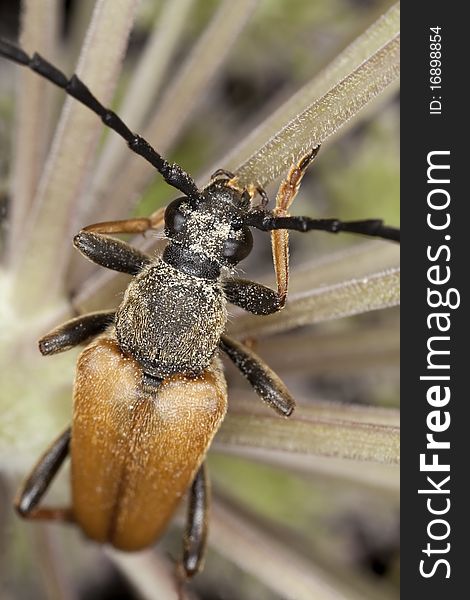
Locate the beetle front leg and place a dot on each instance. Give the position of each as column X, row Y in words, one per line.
column 137, row 225
column 110, row 253
column 76, row 331
column 195, row 535
column 92, row 241
column 286, row 194
column 264, row 380
column 38, row 482
column 253, row 297
column 257, row 298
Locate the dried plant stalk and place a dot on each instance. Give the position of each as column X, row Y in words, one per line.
column 358, row 349
column 149, row 573
column 374, row 38
column 325, row 410
column 69, row 161
column 324, row 117
column 39, row 33
column 382, row 478
column 356, row 262
column 286, row 572
column 304, row 434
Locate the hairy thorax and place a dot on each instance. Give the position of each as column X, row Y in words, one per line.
column 170, row 321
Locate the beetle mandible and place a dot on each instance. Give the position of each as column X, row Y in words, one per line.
column 149, row 391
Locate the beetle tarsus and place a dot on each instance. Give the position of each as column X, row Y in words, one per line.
column 265, row 382
column 42, row 475
column 252, row 296
column 195, row 536
column 74, row 332
column 111, row 253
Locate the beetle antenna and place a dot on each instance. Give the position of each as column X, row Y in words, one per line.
column 266, row 221
column 173, row 174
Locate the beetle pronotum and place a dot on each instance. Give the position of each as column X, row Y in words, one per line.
column 138, row 440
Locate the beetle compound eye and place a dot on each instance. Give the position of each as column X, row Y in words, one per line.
column 175, row 219
column 236, row 250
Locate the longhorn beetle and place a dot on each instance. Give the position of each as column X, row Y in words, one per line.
column 149, row 391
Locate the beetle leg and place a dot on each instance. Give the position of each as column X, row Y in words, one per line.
column 37, row 483
column 92, row 241
column 279, row 222
column 251, row 296
column 116, row 254
column 265, row 382
column 195, row 536
column 139, row 225
column 257, row 298
column 63, row 515
column 286, row 194
column 111, row 253
column 76, row 331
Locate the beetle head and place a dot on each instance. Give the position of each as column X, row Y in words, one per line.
column 214, row 227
